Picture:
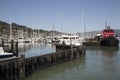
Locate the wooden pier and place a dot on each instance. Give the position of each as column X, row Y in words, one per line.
column 17, row 68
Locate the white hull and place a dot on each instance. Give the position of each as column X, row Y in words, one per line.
column 4, row 54
column 70, row 39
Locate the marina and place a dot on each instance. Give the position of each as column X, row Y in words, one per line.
column 98, row 63
column 21, row 59
column 59, row 40
column 20, row 67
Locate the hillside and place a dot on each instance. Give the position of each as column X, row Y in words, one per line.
column 18, row 29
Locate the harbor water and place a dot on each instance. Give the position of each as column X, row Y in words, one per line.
column 99, row 63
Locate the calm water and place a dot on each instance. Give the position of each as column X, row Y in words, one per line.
column 36, row 49
column 99, row 63
column 33, row 49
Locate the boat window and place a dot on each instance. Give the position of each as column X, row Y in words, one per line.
column 72, row 37
column 65, row 37
column 77, row 38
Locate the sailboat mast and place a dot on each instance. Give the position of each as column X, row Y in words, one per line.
column 22, row 31
column 62, row 25
column 84, row 28
column 52, row 29
column 10, row 30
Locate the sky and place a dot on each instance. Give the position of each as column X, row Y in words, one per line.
column 66, row 15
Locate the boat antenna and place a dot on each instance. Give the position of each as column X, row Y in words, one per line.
column 105, row 24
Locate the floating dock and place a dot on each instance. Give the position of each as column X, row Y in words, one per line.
column 17, row 68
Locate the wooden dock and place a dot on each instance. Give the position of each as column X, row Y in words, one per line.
column 17, row 68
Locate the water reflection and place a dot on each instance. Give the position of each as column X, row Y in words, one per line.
column 105, row 62
column 37, row 49
column 32, row 49
column 103, row 50
column 109, row 51
column 99, row 63
column 63, row 71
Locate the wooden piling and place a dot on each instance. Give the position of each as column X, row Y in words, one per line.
column 71, row 51
column 16, row 54
column 3, row 43
column 22, row 67
column 12, row 46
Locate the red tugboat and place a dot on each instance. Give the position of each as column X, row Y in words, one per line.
column 108, row 38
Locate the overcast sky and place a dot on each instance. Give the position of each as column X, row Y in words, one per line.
column 66, row 14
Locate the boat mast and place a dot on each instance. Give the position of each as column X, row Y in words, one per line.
column 83, row 20
column 62, row 26
column 22, row 32
column 10, row 37
column 52, row 29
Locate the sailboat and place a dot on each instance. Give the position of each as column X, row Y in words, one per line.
column 21, row 39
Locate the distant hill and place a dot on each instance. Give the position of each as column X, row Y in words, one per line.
column 17, row 29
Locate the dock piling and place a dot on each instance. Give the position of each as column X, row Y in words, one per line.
column 16, row 54
column 12, row 46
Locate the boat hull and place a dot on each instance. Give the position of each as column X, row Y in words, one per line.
column 6, row 55
column 109, row 41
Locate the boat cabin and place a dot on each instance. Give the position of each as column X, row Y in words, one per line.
column 108, row 32
column 70, row 39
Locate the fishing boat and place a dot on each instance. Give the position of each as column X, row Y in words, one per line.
column 108, row 37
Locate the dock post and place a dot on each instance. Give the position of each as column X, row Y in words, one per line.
column 71, row 52
column 2, row 42
column 12, row 45
column 22, row 67
column 16, row 49
column 84, row 50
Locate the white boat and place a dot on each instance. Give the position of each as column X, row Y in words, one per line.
column 70, row 39
column 55, row 39
column 49, row 40
column 4, row 54
column 21, row 40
